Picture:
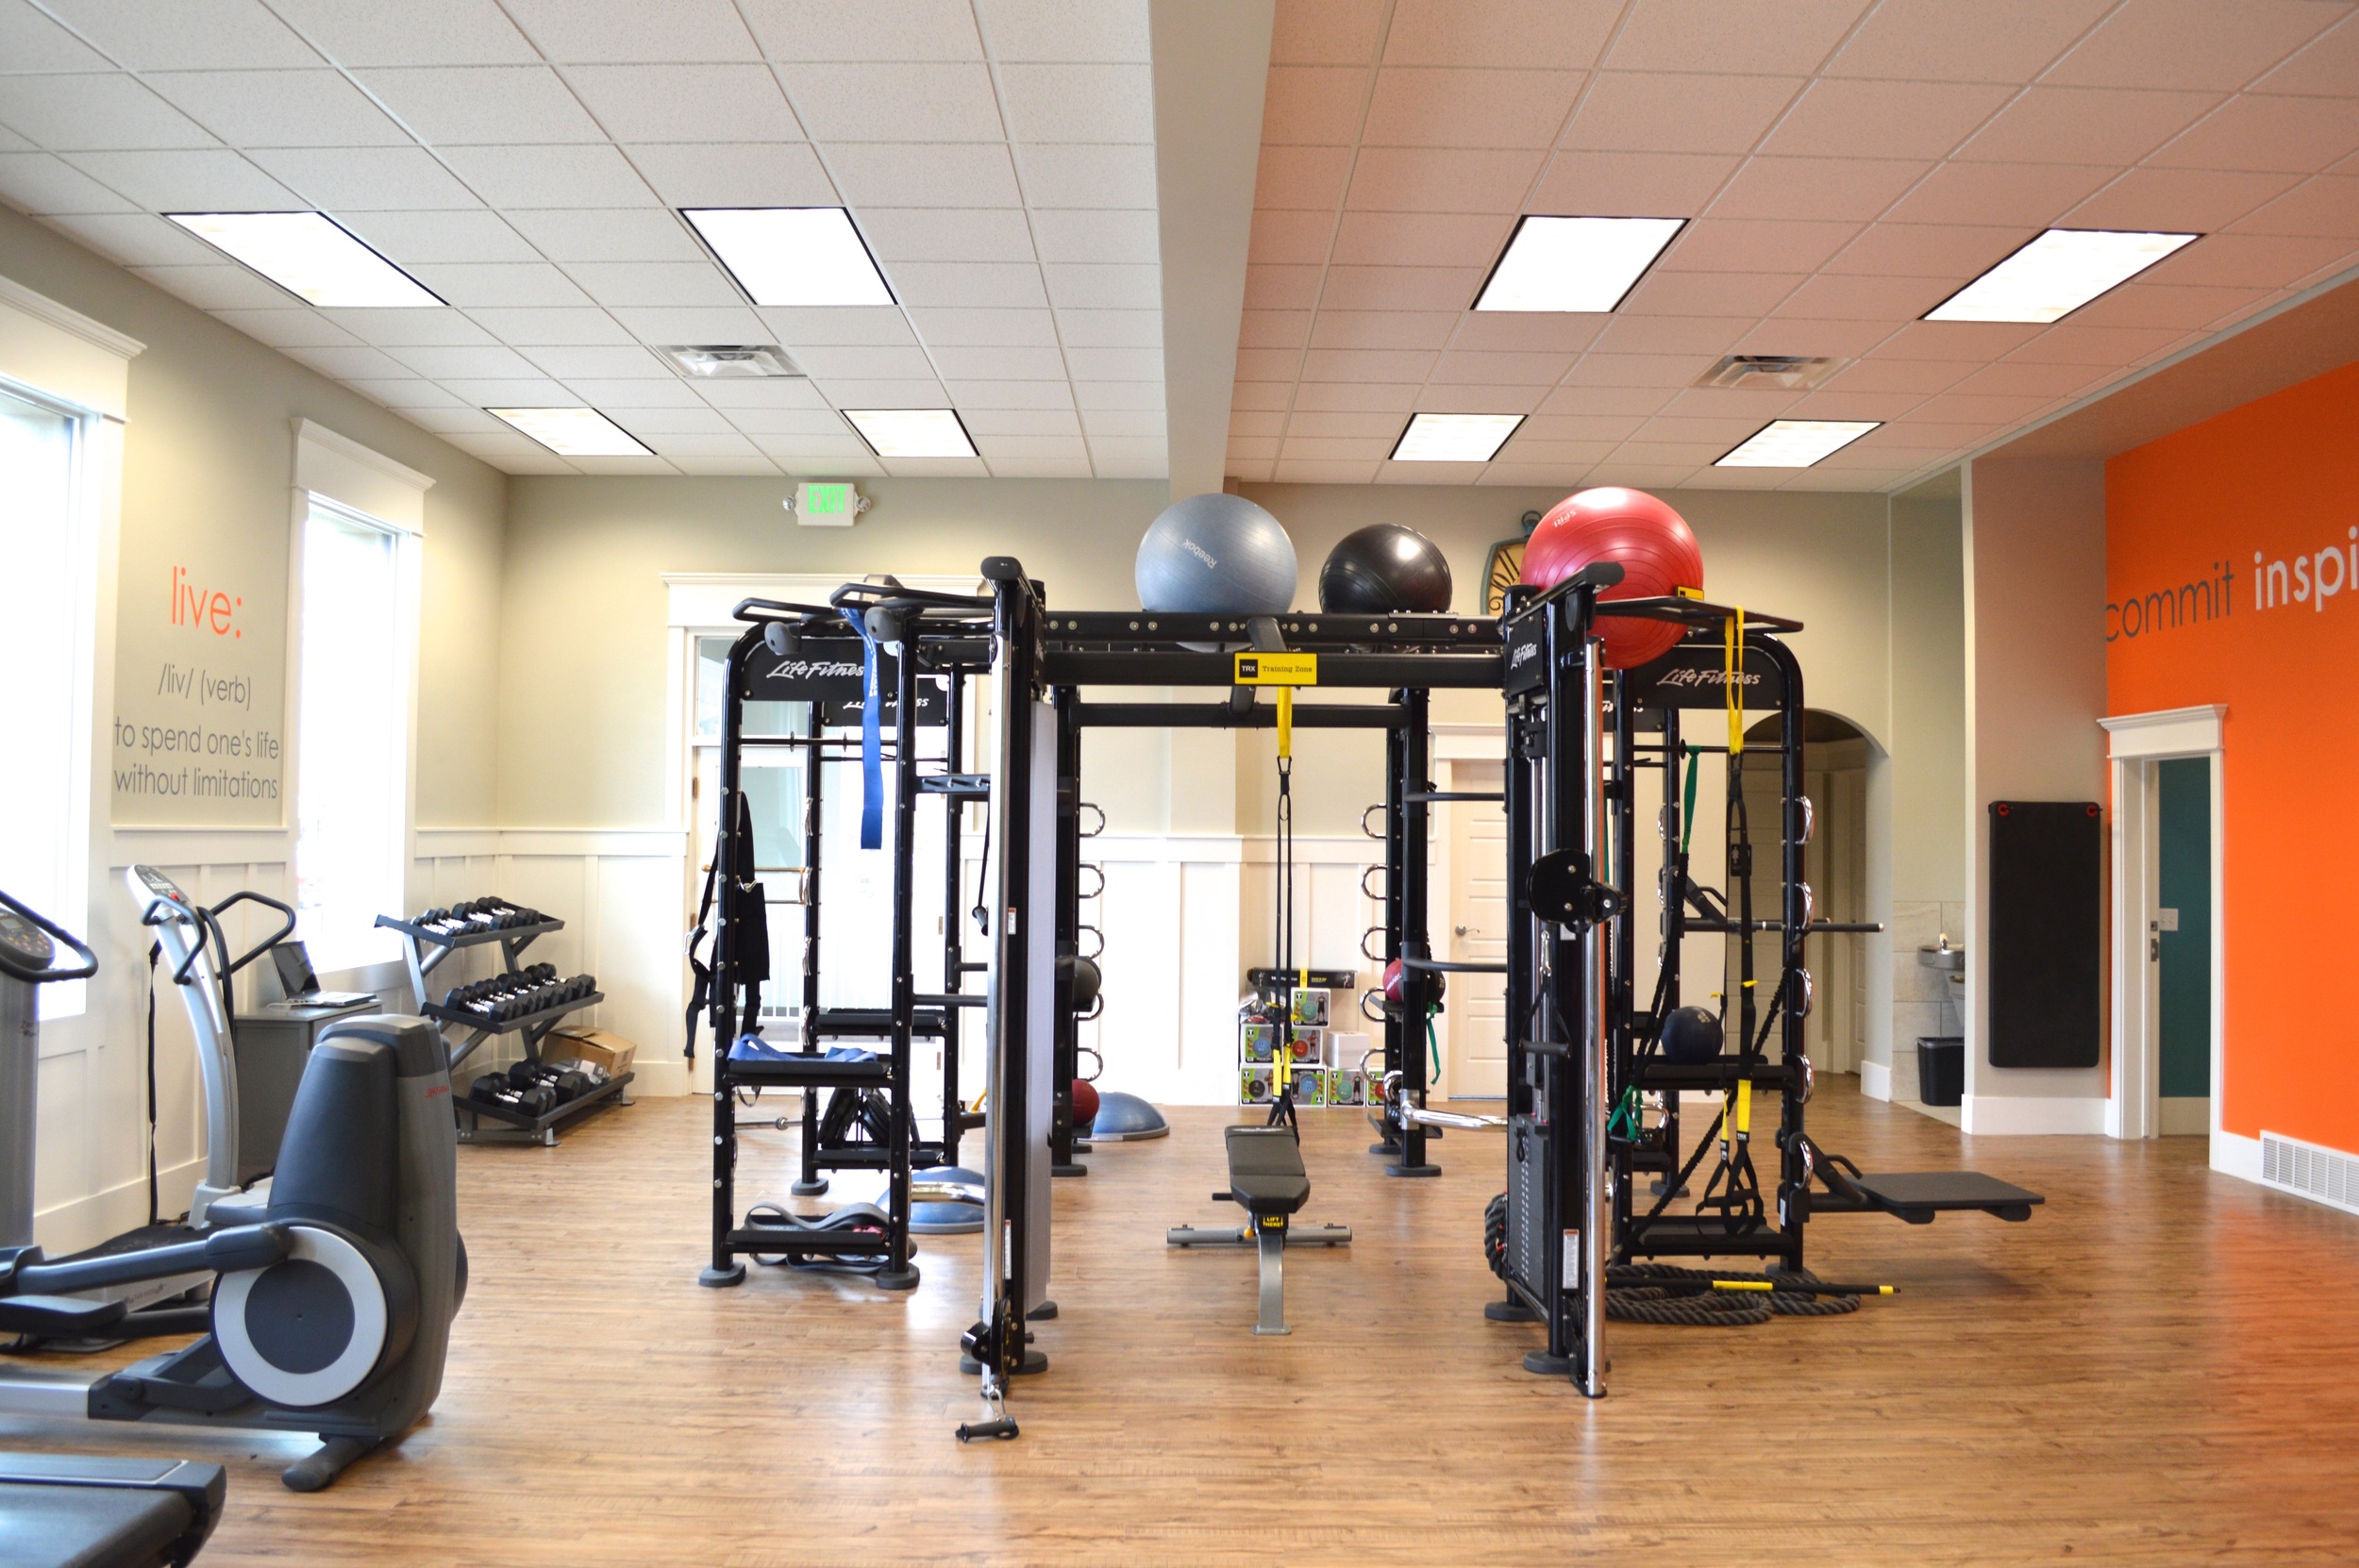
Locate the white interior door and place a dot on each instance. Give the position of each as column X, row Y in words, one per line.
column 1478, row 934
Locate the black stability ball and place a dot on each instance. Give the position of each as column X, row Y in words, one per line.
column 1385, row 568
column 1691, row 1035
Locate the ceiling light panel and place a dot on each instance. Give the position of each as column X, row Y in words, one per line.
column 311, row 258
column 574, row 432
column 1795, row 442
column 911, row 432
column 792, row 255
column 2057, row 274
column 1583, row 264
column 1454, row 438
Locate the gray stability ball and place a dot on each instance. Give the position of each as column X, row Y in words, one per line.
column 1217, row 554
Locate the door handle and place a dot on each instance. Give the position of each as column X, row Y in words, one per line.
column 1459, row 929
column 2154, row 949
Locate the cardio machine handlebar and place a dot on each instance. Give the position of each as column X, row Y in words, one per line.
column 15, row 966
column 287, row 917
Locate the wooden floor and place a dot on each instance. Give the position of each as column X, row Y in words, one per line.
column 2158, row 1368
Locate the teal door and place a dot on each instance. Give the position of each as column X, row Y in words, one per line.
column 2185, row 952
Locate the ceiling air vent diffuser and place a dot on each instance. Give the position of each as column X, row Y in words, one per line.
column 1793, row 372
column 731, row 361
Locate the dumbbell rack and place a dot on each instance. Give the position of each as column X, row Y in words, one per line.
column 425, row 951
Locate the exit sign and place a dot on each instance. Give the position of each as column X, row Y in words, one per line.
column 826, row 503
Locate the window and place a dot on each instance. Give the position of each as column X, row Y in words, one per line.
column 351, row 736
column 44, row 600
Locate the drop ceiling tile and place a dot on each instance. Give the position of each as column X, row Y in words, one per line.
column 1719, row 432
column 2327, row 206
column 707, row 325
column 1834, row 188
column 1616, row 426
column 1296, row 447
column 12, row 142
column 1302, row 177
column 998, row 449
column 1102, row 422
column 1090, row 395
column 1116, row 364
column 1501, row 368
column 597, row 234
column 1788, row 37
column 1580, row 403
column 410, row 328
column 1041, row 468
column 580, row 30
column 1649, row 335
column 2186, row 308
column 859, row 465
column 1002, row 284
column 1895, row 378
column 2086, row 125
column 1088, row 286
column 1429, row 107
column 1126, row 235
column 560, row 177
column 1363, row 424
column 622, row 465
column 1421, row 239
column 1645, row 185
column 1251, row 449
column 1276, row 396
column 757, row 466
column 1896, row 119
column 816, row 428
column 892, row 30
column 985, row 328
column 2191, row 43
column 416, row 32
column 728, row 103
column 1063, row 175
column 514, row 454
column 1555, row 476
column 2197, row 200
column 2029, row 197
column 2278, row 134
column 523, row 391
column 1274, row 364
column 1128, row 458
column 151, row 34
column 346, row 362
column 1719, row 244
column 1924, row 250
column 1428, row 474
column 886, row 175
column 878, row 326
column 452, row 420
column 1987, row 409
column 1285, row 288
column 1730, row 403
column 1315, row 104
column 734, row 173
column 469, row 363
column 1562, row 34
column 1683, row 293
column 2022, row 378
column 1557, row 455
column 1341, row 396
column 1935, row 40
column 675, row 283
column 1011, row 394
column 1979, row 341
column 1299, row 471
column 903, row 101
column 1367, row 364
column 494, row 284
column 1856, row 298
column 279, row 108
column 605, row 362
column 1298, row 237
column 360, row 180
column 1424, row 329
column 1652, row 371
column 553, row 327
column 1328, row 32
column 1679, row 112
column 1667, row 456
column 2249, row 260
column 289, row 326
column 1074, row 102
column 138, row 240
column 830, row 364
column 403, row 396
column 2328, row 67
column 999, row 365
column 1400, row 288
column 1442, row 180
column 1510, row 331
column 451, row 106
column 188, row 181
column 412, row 237
column 1841, row 340
column 947, row 234
column 894, row 393
column 648, row 419
column 93, row 113
column 1443, row 398
column 1274, row 329
column 1021, row 421
column 1248, row 426
column 937, row 468
column 748, row 399
column 1110, row 328
column 30, row 42
column 1053, row 30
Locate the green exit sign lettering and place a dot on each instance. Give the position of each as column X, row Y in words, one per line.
column 827, row 503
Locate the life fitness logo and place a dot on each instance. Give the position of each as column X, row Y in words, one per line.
column 2293, row 581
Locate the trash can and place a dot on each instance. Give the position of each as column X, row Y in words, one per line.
column 1940, row 1068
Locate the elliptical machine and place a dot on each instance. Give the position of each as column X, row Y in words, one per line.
column 331, row 1309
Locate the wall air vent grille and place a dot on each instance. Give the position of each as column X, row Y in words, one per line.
column 1791, row 371
column 2309, row 1170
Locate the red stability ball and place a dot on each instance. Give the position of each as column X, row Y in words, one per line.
column 1084, row 1103
column 1657, row 553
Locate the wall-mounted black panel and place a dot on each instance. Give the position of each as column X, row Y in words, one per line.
column 2047, row 933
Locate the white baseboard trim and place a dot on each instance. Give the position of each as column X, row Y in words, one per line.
column 2032, row 1115
column 1875, row 1080
column 2234, row 1153
column 85, row 1222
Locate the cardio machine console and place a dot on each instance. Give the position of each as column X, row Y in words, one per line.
column 152, row 887
column 26, row 945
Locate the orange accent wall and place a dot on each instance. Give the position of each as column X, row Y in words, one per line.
column 2278, row 477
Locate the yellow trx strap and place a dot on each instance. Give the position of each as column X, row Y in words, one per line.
column 1285, row 723
column 1734, row 641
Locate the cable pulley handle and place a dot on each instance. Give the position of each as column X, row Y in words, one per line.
column 286, row 929
column 15, row 965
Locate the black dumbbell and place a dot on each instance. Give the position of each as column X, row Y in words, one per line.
column 569, row 1085
column 536, row 1099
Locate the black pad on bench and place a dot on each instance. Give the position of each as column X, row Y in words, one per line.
column 872, row 1023
column 1917, row 1197
column 1266, row 1174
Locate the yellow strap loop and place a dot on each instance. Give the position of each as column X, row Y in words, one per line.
column 1733, row 640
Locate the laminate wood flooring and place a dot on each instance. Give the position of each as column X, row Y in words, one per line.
column 2157, row 1368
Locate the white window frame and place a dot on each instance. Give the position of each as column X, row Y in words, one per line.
column 338, row 474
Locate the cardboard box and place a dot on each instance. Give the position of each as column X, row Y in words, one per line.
column 598, row 1048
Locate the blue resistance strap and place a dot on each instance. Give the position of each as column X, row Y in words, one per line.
column 871, row 737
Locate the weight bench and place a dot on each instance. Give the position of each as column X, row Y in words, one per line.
column 1266, row 1180
column 1917, row 1197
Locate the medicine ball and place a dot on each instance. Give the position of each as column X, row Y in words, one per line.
column 1084, row 1105
column 1691, row 1035
column 1398, row 978
column 1086, row 981
column 1385, row 568
column 1652, row 543
column 1217, row 554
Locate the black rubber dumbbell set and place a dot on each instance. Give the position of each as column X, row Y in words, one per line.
column 520, row 993
column 489, row 913
column 534, row 1088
